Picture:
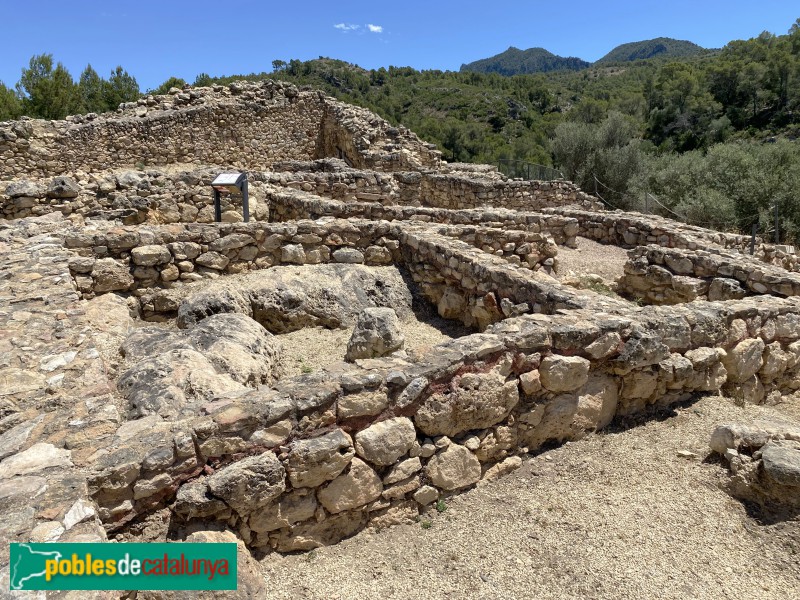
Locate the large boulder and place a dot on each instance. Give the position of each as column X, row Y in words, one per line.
column 223, row 353
column 24, row 188
column 63, row 187
column 291, row 298
column 168, row 383
column 377, row 333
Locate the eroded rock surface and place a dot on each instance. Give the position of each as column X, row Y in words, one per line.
column 171, row 369
column 290, row 298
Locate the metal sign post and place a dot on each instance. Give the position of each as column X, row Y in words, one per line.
column 229, row 183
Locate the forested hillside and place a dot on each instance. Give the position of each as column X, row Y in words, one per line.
column 658, row 48
column 525, row 62
column 711, row 137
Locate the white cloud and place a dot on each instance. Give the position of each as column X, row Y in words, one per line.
column 375, row 28
column 345, row 27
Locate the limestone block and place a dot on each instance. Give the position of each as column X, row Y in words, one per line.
column 376, row 333
column 744, row 360
column 564, row 373
column 249, row 484
column 384, row 442
column 471, row 401
column 357, row 487
column 454, row 468
column 313, row 462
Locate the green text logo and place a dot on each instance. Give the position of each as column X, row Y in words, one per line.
column 123, row 566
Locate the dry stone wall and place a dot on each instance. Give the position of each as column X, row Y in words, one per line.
column 660, row 275
column 287, row 206
column 457, row 189
column 251, row 125
column 457, row 273
column 132, row 197
column 162, row 196
column 375, row 442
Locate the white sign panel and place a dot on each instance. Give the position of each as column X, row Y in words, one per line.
column 226, row 179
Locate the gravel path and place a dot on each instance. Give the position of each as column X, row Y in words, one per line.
column 618, row 515
column 592, row 258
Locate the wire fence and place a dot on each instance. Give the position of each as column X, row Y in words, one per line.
column 648, row 203
column 520, row 169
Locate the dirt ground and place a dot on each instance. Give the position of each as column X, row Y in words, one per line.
column 617, row 515
column 591, row 258
column 309, row 349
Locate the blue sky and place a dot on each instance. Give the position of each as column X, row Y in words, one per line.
column 155, row 40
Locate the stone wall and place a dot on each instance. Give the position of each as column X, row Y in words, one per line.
column 132, row 197
column 635, row 229
column 450, row 262
column 457, row 189
column 306, row 461
column 251, row 125
column 291, row 205
column 169, row 196
column 660, row 275
column 318, row 457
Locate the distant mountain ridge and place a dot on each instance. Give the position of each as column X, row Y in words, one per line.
column 538, row 60
column 658, row 47
column 522, row 62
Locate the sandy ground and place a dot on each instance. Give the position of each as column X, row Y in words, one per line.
column 308, row 350
column 592, row 258
column 617, row 515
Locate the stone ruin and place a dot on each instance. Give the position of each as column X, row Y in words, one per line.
column 142, row 392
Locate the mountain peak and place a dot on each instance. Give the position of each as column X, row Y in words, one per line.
column 520, row 62
column 657, row 47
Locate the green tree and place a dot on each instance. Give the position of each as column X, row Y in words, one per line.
column 121, row 87
column 203, row 80
column 92, row 91
column 47, row 92
column 172, row 82
column 10, row 107
column 751, row 86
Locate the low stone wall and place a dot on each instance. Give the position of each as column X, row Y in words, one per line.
column 172, row 196
column 456, row 191
column 318, row 457
column 519, row 247
column 252, row 124
column 660, row 275
column 133, row 197
column 133, row 259
column 448, row 261
column 452, row 190
column 628, row 229
column 635, row 229
column 288, row 206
